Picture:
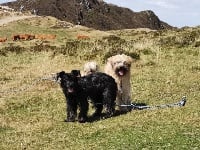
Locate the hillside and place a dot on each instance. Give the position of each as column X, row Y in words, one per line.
column 92, row 13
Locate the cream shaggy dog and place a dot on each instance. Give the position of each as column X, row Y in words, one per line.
column 90, row 67
column 118, row 67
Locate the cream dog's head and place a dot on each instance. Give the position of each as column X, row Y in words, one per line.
column 120, row 64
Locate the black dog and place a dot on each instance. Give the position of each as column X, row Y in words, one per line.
column 99, row 87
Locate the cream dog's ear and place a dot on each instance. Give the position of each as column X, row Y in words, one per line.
column 129, row 59
column 110, row 62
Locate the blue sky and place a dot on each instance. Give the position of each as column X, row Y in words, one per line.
column 4, row 1
column 177, row 13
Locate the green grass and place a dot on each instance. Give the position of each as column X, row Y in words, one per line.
column 163, row 72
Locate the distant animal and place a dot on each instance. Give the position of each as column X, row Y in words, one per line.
column 83, row 37
column 118, row 67
column 15, row 37
column 99, row 87
column 31, row 37
column 23, row 37
column 90, row 67
column 3, row 39
column 45, row 36
column 51, row 36
column 39, row 36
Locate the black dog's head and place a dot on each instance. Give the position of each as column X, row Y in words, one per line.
column 76, row 73
column 68, row 81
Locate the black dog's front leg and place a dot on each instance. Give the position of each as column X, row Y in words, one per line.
column 84, row 106
column 109, row 111
column 71, row 112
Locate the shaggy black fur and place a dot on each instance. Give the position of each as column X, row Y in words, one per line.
column 76, row 73
column 99, row 87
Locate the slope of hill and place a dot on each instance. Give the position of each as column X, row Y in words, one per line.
column 92, row 13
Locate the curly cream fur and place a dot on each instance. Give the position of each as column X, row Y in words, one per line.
column 90, row 67
column 123, row 82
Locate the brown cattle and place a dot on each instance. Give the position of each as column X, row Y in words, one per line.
column 31, row 37
column 23, row 37
column 3, row 39
column 83, row 37
column 45, row 36
column 51, row 36
column 39, row 36
column 15, row 37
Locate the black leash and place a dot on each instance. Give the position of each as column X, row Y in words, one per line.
column 132, row 106
column 181, row 103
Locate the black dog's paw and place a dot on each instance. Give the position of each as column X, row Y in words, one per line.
column 69, row 120
column 82, row 120
column 109, row 112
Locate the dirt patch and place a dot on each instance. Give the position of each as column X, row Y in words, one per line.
column 9, row 19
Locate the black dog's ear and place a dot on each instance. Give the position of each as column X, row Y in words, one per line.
column 76, row 73
column 60, row 75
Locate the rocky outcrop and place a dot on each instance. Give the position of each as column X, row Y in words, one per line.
column 92, row 13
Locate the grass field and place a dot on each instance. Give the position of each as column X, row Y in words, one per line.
column 166, row 67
